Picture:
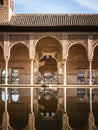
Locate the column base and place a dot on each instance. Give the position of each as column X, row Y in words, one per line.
column 31, row 121
column 5, row 122
column 66, row 125
column 91, row 122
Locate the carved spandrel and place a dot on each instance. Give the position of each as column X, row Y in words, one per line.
column 6, row 47
column 32, row 49
column 95, row 36
column 37, row 36
column 77, row 37
column 19, row 38
column 65, row 49
column 90, row 47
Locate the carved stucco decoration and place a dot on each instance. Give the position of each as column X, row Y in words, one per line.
column 52, row 54
column 48, row 50
column 32, row 46
column 66, row 45
column 94, row 44
column 19, row 38
column 37, row 36
column 90, row 47
column 6, row 47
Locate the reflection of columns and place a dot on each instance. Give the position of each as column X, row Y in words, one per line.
column 65, row 84
column 6, row 82
column 32, row 82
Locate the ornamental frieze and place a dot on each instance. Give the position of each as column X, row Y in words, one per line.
column 13, row 38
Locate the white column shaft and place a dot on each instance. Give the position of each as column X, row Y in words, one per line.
column 32, row 79
column 6, row 82
column 90, row 83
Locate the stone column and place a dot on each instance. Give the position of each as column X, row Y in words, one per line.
column 6, row 82
column 91, row 122
column 32, row 82
column 90, row 83
column 65, row 45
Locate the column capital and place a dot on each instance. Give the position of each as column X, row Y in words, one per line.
column 6, row 58
column 65, row 59
column 32, row 59
column 90, row 60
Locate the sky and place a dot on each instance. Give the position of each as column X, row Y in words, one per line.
column 56, row 6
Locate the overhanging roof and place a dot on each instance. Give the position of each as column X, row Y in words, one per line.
column 52, row 22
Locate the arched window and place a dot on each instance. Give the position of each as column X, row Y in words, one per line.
column 39, row 77
column 80, row 81
column 93, row 78
column 3, row 75
column 80, row 77
column 15, row 80
column 55, row 93
column 15, row 76
column 47, row 78
column 93, row 82
column 56, row 78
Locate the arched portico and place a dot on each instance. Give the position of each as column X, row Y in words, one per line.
column 19, row 62
column 49, row 46
column 77, row 60
column 47, row 36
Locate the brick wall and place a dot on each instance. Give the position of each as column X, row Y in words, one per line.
column 6, row 10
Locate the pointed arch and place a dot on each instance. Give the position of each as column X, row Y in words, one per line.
column 1, row 46
column 19, row 42
column 77, row 43
column 94, row 47
column 46, row 36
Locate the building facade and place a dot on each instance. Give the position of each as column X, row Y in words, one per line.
column 48, row 70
